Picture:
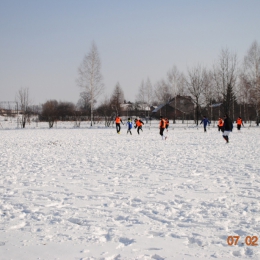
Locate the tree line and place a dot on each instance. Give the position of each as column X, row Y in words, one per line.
column 233, row 85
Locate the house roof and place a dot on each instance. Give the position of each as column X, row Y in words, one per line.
column 158, row 108
column 168, row 103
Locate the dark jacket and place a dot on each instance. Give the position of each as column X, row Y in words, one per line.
column 205, row 122
column 228, row 125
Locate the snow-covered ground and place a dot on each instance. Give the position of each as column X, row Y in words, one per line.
column 81, row 193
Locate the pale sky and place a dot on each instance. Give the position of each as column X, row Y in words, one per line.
column 43, row 42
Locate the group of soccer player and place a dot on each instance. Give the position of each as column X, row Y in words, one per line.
column 138, row 124
column 164, row 124
column 225, row 126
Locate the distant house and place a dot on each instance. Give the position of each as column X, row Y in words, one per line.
column 153, row 107
column 180, row 107
column 126, row 106
column 9, row 112
column 135, row 109
column 143, row 109
column 126, row 109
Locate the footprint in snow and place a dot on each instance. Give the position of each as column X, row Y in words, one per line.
column 200, row 242
column 126, row 241
column 157, row 257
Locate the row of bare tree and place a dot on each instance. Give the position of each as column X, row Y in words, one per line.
column 228, row 82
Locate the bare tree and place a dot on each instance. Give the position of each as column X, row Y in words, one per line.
column 22, row 97
column 149, row 94
column 106, row 111
column 117, row 98
column 174, row 77
column 66, row 110
column 208, row 90
column 163, row 92
column 195, row 85
column 243, row 94
column 225, row 79
column 90, row 78
column 50, row 112
column 145, row 95
column 182, row 87
column 252, row 76
column 140, row 98
column 84, row 103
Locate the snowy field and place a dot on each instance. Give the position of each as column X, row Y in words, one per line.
column 81, row 193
